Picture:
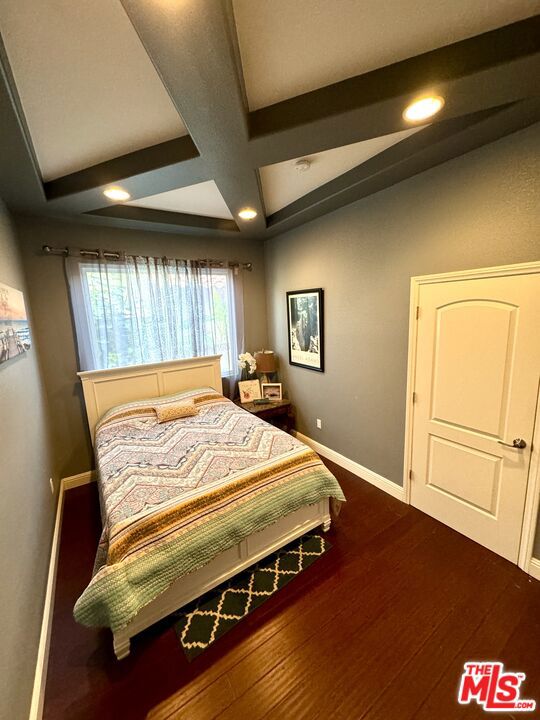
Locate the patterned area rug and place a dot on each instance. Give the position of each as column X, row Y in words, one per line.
column 209, row 617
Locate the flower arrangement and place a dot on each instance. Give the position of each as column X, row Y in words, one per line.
column 247, row 363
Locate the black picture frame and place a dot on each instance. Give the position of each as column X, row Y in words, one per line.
column 303, row 353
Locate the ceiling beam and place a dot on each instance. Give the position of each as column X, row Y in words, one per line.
column 164, row 154
column 484, row 71
column 194, row 51
column 156, row 169
column 430, row 147
column 185, row 221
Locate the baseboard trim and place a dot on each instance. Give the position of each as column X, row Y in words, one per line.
column 534, row 568
column 40, row 677
column 73, row 481
column 362, row 472
column 38, row 692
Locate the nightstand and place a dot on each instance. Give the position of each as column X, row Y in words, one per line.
column 279, row 413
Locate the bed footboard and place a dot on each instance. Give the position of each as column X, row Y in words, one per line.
column 224, row 566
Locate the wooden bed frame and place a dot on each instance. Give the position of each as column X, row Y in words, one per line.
column 103, row 389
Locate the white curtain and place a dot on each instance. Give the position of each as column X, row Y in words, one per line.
column 143, row 310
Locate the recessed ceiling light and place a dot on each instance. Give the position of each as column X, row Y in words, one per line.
column 247, row 214
column 116, row 193
column 423, row 108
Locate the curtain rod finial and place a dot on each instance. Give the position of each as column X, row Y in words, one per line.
column 48, row 250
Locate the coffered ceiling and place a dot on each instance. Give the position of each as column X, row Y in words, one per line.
column 200, row 108
column 88, row 89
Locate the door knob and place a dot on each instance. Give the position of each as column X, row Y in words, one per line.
column 517, row 443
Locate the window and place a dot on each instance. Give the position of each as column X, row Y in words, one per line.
column 144, row 310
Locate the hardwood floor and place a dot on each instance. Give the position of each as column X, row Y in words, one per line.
column 377, row 628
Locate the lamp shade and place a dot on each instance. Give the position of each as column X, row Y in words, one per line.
column 266, row 361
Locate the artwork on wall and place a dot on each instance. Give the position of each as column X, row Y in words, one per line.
column 305, row 325
column 249, row 390
column 14, row 330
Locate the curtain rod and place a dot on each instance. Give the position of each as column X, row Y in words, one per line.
column 120, row 255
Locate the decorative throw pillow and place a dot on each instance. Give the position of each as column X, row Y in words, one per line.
column 175, row 410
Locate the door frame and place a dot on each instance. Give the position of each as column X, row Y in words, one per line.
column 530, row 513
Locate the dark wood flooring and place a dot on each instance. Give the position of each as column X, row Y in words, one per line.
column 378, row 628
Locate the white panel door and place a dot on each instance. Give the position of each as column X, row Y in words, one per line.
column 476, row 384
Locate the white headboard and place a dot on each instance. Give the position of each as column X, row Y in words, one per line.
column 103, row 389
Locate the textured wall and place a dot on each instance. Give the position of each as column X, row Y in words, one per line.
column 478, row 210
column 52, row 315
column 27, row 507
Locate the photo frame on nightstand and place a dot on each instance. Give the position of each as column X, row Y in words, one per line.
column 249, row 390
column 272, row 391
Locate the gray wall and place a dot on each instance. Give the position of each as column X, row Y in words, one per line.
column 27, row 508
column 52, row 315
column 478, row 210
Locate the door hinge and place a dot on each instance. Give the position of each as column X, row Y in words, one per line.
column 417, row 311
column 410, row 474
column 414, row 397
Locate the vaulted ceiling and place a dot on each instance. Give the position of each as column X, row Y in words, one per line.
column 201, row 108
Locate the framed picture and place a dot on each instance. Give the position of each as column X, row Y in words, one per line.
column 305, row 326
column 271, row 391
column 14, row 330
column 249, row 390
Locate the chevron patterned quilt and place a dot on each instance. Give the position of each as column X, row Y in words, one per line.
column 176, row 494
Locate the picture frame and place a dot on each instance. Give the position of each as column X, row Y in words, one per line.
column 272, row 391
column 305, row 325
column 249, row 390
column 15, row 337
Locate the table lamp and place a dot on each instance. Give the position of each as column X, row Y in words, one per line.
column 266, row 363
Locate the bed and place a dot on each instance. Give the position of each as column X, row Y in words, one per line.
column 187, row 503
